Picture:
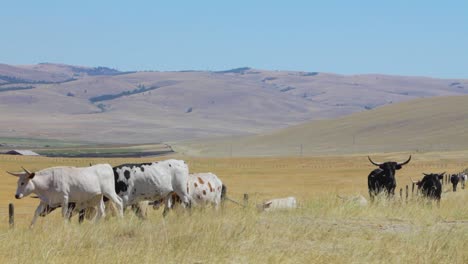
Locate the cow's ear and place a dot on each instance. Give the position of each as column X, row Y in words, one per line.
column 31, row 175
column 441, row 177
column 398, row 166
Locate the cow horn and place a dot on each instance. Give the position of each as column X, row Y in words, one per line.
column 375, row 163
column 406, row 162
column 28, row 172
column 15, row 174
column 443, row 173
column 413, row 180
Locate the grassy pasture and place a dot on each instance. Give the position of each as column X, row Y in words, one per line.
column 323, row 230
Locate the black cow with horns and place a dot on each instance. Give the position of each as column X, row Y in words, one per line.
column 383, row 179
column 430, row 185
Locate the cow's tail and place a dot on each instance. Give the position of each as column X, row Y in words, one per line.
column 223, row 192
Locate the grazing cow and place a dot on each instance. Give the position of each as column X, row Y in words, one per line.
column 152, row 181
column 430, row 185
column 383, row 179
column 63, row 185
column 204, row 189
column 463, row 178
column 454, row 179
column 278, row 204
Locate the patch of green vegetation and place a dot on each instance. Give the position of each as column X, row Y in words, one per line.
column 101, row 152
column 35, row 142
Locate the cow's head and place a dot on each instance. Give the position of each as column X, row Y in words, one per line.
column 25, row 185
column 390, row 167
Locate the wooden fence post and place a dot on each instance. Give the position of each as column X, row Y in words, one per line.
column 246, row 199
column 11, row 215
column 407, row 193
column 412, row 190
column 401, row 193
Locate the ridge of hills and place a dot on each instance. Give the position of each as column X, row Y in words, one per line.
column 421, row 125
column 99, row 104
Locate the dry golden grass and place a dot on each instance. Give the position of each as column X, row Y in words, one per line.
column 322, row 230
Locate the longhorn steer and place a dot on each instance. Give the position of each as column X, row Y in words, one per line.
column 383, row 179
column 63, row 185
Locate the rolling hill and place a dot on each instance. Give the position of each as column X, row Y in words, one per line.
column 421, row 125
column 99, row 104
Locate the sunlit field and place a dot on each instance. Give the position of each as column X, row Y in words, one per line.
column 323, row 229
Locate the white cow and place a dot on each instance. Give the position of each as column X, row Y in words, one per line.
column 204, row 189
column 277, row 204
column 152, row 181
column 84, row 186
column 463, row 178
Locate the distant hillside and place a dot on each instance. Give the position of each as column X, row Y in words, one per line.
column 100, row 104
column 432, row 124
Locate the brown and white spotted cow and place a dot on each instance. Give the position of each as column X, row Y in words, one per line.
column 203, row 188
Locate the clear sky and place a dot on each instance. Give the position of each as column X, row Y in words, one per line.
column 404, row 37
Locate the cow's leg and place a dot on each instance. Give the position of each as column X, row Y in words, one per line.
column 81, row 215
column 40, row 208
column 139, row 210
column 168, row 204
column 101, row 212
column 71, row 208
column 180, row 188
column 65, row 207
column 118, row 202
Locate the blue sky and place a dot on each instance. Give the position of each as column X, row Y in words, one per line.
column 428, row 38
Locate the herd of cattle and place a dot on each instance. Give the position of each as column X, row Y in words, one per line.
column 92, row 189
column 382, row 180
column 79, row 188
column 89, row 190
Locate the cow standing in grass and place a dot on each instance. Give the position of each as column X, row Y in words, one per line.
column 463, row 178
column 204, row 189
column 454, row 179
column 152, row 181
column 430, row 185
column 383, row 179
column 60, row 186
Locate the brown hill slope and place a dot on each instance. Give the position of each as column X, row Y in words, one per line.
column 432, row 124
column 104, row 105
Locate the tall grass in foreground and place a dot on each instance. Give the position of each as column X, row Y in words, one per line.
column 322, row 230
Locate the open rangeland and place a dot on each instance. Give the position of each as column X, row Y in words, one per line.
column 323, row 229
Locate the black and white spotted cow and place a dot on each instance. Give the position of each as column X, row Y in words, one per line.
column 135, row 183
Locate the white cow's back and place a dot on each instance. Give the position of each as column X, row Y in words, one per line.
column 151, row 181
column 277, row 204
